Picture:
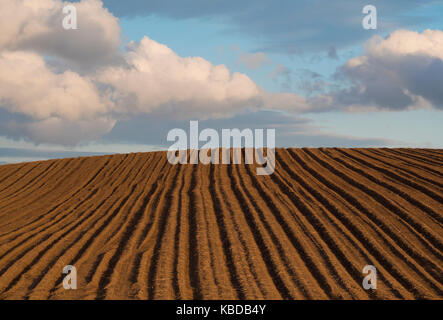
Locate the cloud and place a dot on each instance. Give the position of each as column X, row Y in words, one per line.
column 253, row 60
column 37, row 26
column 29, row 87
column 156, row 79
column 69, row 133
column 64, row 107
column 403, row 71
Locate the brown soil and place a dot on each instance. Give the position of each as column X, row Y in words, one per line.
column 136, row 227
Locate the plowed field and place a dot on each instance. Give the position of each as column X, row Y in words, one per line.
column 136, row 227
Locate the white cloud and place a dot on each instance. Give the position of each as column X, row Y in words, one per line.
column 37, row 26
column 64, row 107
column 429, row 43
column 42, row 104
column 29, row 87
column 65, row 132
column 402, row 72
column 157, row 79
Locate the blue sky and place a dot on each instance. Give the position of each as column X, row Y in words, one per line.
column 297, row 47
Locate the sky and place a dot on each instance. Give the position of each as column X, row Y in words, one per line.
column 133, row 70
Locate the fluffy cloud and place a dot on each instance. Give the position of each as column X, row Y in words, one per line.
column 54, row 103
column 37, row 26
column 29, row 87
column 46, row 105
column 403, row 71
column 429, row 43
column 157, row 79
column 61, row 131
